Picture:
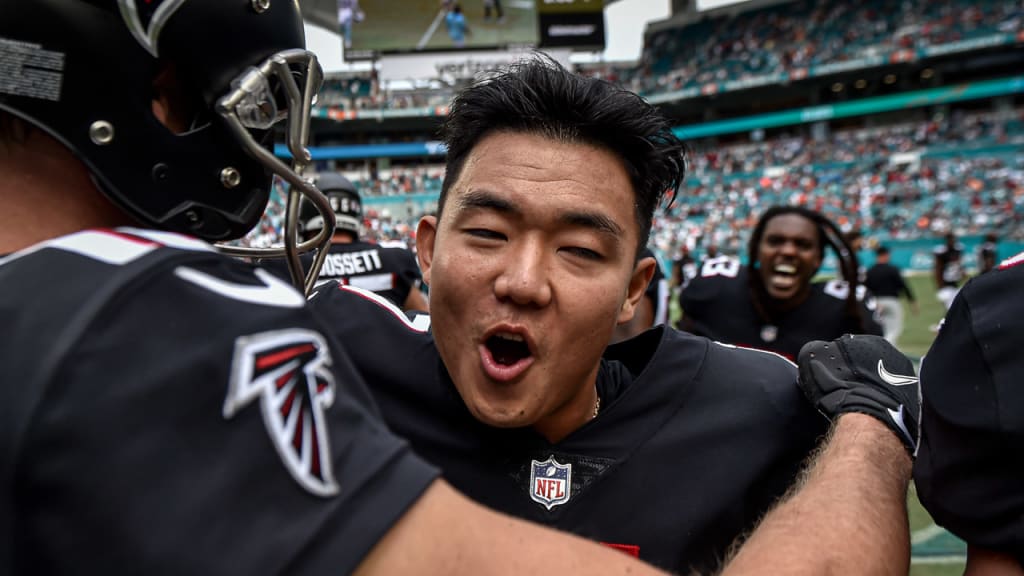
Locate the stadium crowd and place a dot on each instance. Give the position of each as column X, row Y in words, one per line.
column 803, row 34
column 787, row 39
column 899, row 181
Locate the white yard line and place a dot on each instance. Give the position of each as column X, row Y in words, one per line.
column 938, row 560
column 926, row 533
column 430, row 31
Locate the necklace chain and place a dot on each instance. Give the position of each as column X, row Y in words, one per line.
column 597, row 407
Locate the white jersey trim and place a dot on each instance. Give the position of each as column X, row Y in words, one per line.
column 769, row 352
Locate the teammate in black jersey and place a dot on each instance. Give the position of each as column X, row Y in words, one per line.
column 391, row 272
column 772, row 302
column 165, row 409
column 970, row 470
column 509, row 386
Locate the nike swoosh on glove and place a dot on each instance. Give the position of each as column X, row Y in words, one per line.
column 865, row 374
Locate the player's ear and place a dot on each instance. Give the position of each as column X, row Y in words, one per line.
column 638, row 281
column 426, row 232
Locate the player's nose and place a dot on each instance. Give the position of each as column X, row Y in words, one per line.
column 525, row 277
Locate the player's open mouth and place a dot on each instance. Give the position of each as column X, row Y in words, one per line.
column 783, row 276
column 505, row 355
column 507, row 349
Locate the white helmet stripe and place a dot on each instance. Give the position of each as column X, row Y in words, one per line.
column 147, row 35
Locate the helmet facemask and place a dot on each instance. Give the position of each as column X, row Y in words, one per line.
column 259, row 99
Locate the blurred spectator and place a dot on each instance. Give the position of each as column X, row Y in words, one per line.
column 885, row 281
column 949, row 270
column 988, row 253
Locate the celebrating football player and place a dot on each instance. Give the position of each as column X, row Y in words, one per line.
column 773, row 303
column 667, row 445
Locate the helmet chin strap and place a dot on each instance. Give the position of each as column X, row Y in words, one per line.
column 251, row 104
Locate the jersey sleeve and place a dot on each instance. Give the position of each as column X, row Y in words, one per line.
column 204, row 423
column 768, row 399
column 970, row 466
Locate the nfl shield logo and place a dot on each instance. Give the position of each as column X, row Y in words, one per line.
column 550, row 482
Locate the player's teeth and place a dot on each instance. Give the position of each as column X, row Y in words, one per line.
column 512, row 337
column 785, row 269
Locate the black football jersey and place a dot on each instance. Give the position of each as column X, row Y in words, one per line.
column 694, row 441
column 389, row 271
column 717, row 304
column 969, row 470
column 168, row 410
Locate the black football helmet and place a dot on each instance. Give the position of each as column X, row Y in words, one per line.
column 344, row 200
column 83, row 71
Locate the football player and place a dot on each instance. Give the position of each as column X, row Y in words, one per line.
column 988, row 253
column 667, row 446
column 773, row 303
column 970, row 468
column 391, row 272
column 948, row 271
column 165, row 408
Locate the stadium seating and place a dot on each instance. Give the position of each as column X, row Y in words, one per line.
column 782, row 41
column 962, row 172
column 807, row 34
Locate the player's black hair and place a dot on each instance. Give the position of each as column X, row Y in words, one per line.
column 828, row 234
column 539, row 96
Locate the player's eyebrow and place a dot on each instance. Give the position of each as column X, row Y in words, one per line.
column 482, row 199
column 594, row 221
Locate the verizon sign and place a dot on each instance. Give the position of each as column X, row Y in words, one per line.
column 454, row 65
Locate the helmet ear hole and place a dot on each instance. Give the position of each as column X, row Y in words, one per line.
column 175, row 104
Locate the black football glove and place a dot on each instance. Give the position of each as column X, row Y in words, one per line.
column 864, row 374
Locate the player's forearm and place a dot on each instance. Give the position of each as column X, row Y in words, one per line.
column 848, row 516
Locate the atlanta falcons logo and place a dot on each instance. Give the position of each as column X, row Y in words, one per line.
column 286, row 370
column 146, row 19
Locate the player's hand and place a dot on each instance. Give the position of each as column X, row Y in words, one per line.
column 864, row 374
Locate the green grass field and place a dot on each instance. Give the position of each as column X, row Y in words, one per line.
column 935, row 551
column 406, row 24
